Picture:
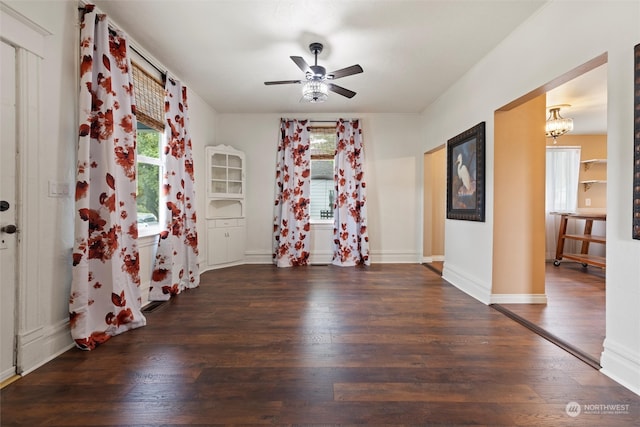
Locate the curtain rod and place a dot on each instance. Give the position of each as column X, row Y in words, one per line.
column 163, row 73
column 113, row 27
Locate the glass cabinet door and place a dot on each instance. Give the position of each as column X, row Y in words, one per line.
column 234, row 174
column 225, row 174
column 218, row 173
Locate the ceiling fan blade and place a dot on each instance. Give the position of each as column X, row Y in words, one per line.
column 344, row 72
column 283, row 82
column 342, row 91
column 301, row 63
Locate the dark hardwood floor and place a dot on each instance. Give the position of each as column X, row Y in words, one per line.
column 574, row 315
column 258, row 345
column 575, row 309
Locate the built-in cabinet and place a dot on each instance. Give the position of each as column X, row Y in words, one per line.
column 225, row 241
column 226, row 226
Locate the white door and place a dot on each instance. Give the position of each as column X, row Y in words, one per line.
column 8, row 236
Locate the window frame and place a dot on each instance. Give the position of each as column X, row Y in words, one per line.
column 149, row 91
column 322, row 157
column 153, row 161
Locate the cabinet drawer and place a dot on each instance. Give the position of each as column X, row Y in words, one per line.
column 231, row 222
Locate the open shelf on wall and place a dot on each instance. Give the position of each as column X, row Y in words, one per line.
column 588, row 163
column 588, row 183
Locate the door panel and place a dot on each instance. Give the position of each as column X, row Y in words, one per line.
column 8, row 239
column 235, row 244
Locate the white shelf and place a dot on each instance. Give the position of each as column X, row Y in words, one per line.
column 589, row 182
column 588, row 163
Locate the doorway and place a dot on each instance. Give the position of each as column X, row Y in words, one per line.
column 574, row 314
column 434, row 185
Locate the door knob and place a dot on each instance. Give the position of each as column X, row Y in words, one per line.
column 4, row 205
column 9, row 229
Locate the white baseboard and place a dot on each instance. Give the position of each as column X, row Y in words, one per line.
column 621, row 364
column 394, row 257
column 218, row 266
column 258, row 257
column 6, row 374
column 518, row 299
column 377, row 257
column 467, row 284
column 40, row 345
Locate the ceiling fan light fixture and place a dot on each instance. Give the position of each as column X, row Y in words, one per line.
column 556, row 124
column 315, row 88
column 315, row 91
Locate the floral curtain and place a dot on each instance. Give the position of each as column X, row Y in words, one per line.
column 176, row 262
column 291, row 222
column 105, row 296
column 350, row 236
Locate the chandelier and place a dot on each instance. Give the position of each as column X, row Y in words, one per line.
column 315, row 91
column 556, row 124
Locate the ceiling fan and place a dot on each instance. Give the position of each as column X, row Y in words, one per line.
column 317, row 81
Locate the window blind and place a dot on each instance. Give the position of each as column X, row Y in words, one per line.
column 149, row 94
column 323, row 142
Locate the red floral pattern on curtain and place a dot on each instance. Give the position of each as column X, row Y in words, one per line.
column 176, row 262
column 350, row 235
column 105, row 295
column 291, row 223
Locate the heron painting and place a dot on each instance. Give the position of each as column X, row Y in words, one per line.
column 465, row 175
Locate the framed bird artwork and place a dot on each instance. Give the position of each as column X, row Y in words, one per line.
column 466, row 175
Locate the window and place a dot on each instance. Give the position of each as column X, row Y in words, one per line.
column 323, row 147
column 149, row 167
column 149, row 92
column 563, row 168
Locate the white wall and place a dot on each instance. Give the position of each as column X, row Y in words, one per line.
column 392, row 173
column 44, row 308
column 520, row 64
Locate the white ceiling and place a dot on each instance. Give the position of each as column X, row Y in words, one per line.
column 587, row 97
column 411, row 51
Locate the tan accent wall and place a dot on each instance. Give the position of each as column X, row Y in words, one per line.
column 435, row 181
column 519, row 191
column 592, row 147
column 427, row 198
column 438, row 208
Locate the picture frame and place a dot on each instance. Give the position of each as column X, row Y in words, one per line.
column 466, row 175
column 636, row 144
